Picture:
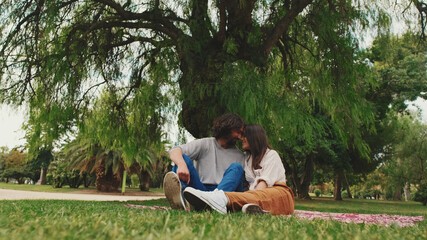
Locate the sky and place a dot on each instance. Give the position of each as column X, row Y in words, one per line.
column 11, row 120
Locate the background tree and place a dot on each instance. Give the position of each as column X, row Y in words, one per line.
column 17, row 167
column 88, row 157
column 3, row 154
column 87, row 44
column 407, row 164
column 399, row 70
column 42, row 162
column 291, row 66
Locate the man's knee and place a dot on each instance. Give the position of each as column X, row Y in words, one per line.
column 188, row 161
column 186, row 158
column 236, row 167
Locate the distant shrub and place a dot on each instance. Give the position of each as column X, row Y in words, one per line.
column 56, row 172
column 134, row 180
column 344, row 194
column 73, row 178
column 421, row 194
column 376, row 194
column 317, row 192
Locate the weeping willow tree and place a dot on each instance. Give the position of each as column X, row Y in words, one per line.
column 274, row 62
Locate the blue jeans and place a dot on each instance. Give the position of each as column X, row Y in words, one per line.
column 232, row 180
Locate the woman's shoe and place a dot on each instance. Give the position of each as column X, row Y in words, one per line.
column 251, row 208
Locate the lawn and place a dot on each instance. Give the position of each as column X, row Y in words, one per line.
column 64, row 189
column 38, row 188
column 53, row 219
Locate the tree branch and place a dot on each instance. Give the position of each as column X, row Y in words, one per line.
column 284, row 23
column 138, row 81
column 240, row 12
column 87, row 91
column 19, row 25
column 222, row 21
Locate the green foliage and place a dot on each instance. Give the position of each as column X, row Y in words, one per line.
column 113, row 72
column 134, row 180
column 15, row 159
column 421, row 194
column 57, row 173
column 407, row 161
column 303, row 118
column 3, row 154
column 15, row 165
column 317, row 192
column 43, row 159
column 344, row 194
column 19, row 174
column 74, row 179
column 400, row 64
column 64, row 54
column 403, row 159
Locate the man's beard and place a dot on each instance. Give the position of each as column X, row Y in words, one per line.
column 230, row 141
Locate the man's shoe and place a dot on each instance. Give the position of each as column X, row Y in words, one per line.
column 201, row 200
column 172, row 188
column 251, row 208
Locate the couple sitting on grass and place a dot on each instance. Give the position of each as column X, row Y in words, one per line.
column 216, row 180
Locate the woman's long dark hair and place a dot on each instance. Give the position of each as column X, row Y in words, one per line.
column 258, row 143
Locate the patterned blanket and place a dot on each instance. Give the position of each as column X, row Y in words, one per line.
column 381, row 219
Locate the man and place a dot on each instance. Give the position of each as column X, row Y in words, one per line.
column 218, row 162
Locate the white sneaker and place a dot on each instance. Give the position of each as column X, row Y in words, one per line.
column 172, row 188
column 251, row 208
column 200, row 200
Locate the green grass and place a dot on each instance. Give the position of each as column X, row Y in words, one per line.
column 327, row 204
column 38, row 188
column 53, row 219
column 64, row 189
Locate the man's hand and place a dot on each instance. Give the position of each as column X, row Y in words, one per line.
column 182, row 170
column 183, row 173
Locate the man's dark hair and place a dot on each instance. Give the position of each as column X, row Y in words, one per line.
column 223, row 125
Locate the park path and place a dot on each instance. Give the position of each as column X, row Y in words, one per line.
column 6, row 194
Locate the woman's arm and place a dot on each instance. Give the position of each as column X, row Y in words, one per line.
column 272, row 170
column 261, row 185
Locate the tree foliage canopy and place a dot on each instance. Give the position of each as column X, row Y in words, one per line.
column 116, row 68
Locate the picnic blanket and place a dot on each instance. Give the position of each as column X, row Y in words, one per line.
column 381, row 219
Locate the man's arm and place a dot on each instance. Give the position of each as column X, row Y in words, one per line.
column 182, row 170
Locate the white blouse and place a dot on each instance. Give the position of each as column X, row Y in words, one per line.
column 271, row 170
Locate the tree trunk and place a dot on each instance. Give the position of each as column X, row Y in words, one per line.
column 85, row 180
column 302, row 184
column 407, row 191
column 20, row 180
column 42, row 179
column 106, row 180
column 347, row 186
column 202, row 73
column 397, row 195
column 144, row 180
column 337, row 186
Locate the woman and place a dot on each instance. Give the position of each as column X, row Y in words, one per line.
column 266, row 176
